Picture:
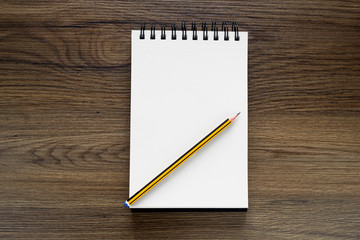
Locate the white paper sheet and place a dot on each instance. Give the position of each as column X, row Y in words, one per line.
column 180, row 91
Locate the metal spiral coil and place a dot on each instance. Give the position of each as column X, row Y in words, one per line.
column 194, row 30
column 152, row 31
column 183, row 30
column 163, row 34
column 173, row 31
column 204, row 29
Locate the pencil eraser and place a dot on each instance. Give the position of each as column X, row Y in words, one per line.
column 127, row 204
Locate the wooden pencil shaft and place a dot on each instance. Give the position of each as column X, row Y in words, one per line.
column 178, row 162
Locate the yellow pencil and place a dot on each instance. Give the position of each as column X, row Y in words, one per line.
column 179, row 161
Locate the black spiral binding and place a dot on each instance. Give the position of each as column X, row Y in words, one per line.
column 183, row 30
column 225, row 29
column 142, row 31
column 173, row 31
column 204, row 28
column 163, row 34
column 215, row 30
column 152, row 31
column 235, row 29
column 194, row 30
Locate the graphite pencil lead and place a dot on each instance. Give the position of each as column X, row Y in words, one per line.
column 234, row 117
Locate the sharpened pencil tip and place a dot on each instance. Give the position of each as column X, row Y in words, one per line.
column 233, row 118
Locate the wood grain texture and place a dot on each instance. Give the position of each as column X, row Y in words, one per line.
column 65, row 113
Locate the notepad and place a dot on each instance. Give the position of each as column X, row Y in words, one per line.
column 181, row 89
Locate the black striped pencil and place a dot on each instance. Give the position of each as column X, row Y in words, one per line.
column 179, row 161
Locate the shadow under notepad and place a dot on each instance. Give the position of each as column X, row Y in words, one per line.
column 189, row 210
column 186, row 225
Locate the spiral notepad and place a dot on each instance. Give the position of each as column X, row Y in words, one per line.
column 184, row 81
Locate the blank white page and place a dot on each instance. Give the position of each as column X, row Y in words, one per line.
column 180, row 91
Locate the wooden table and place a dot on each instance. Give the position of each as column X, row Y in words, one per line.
column 65, row 111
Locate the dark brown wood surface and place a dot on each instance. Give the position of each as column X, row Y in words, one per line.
column 65, row 111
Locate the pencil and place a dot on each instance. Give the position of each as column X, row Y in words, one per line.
column 179, row 161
